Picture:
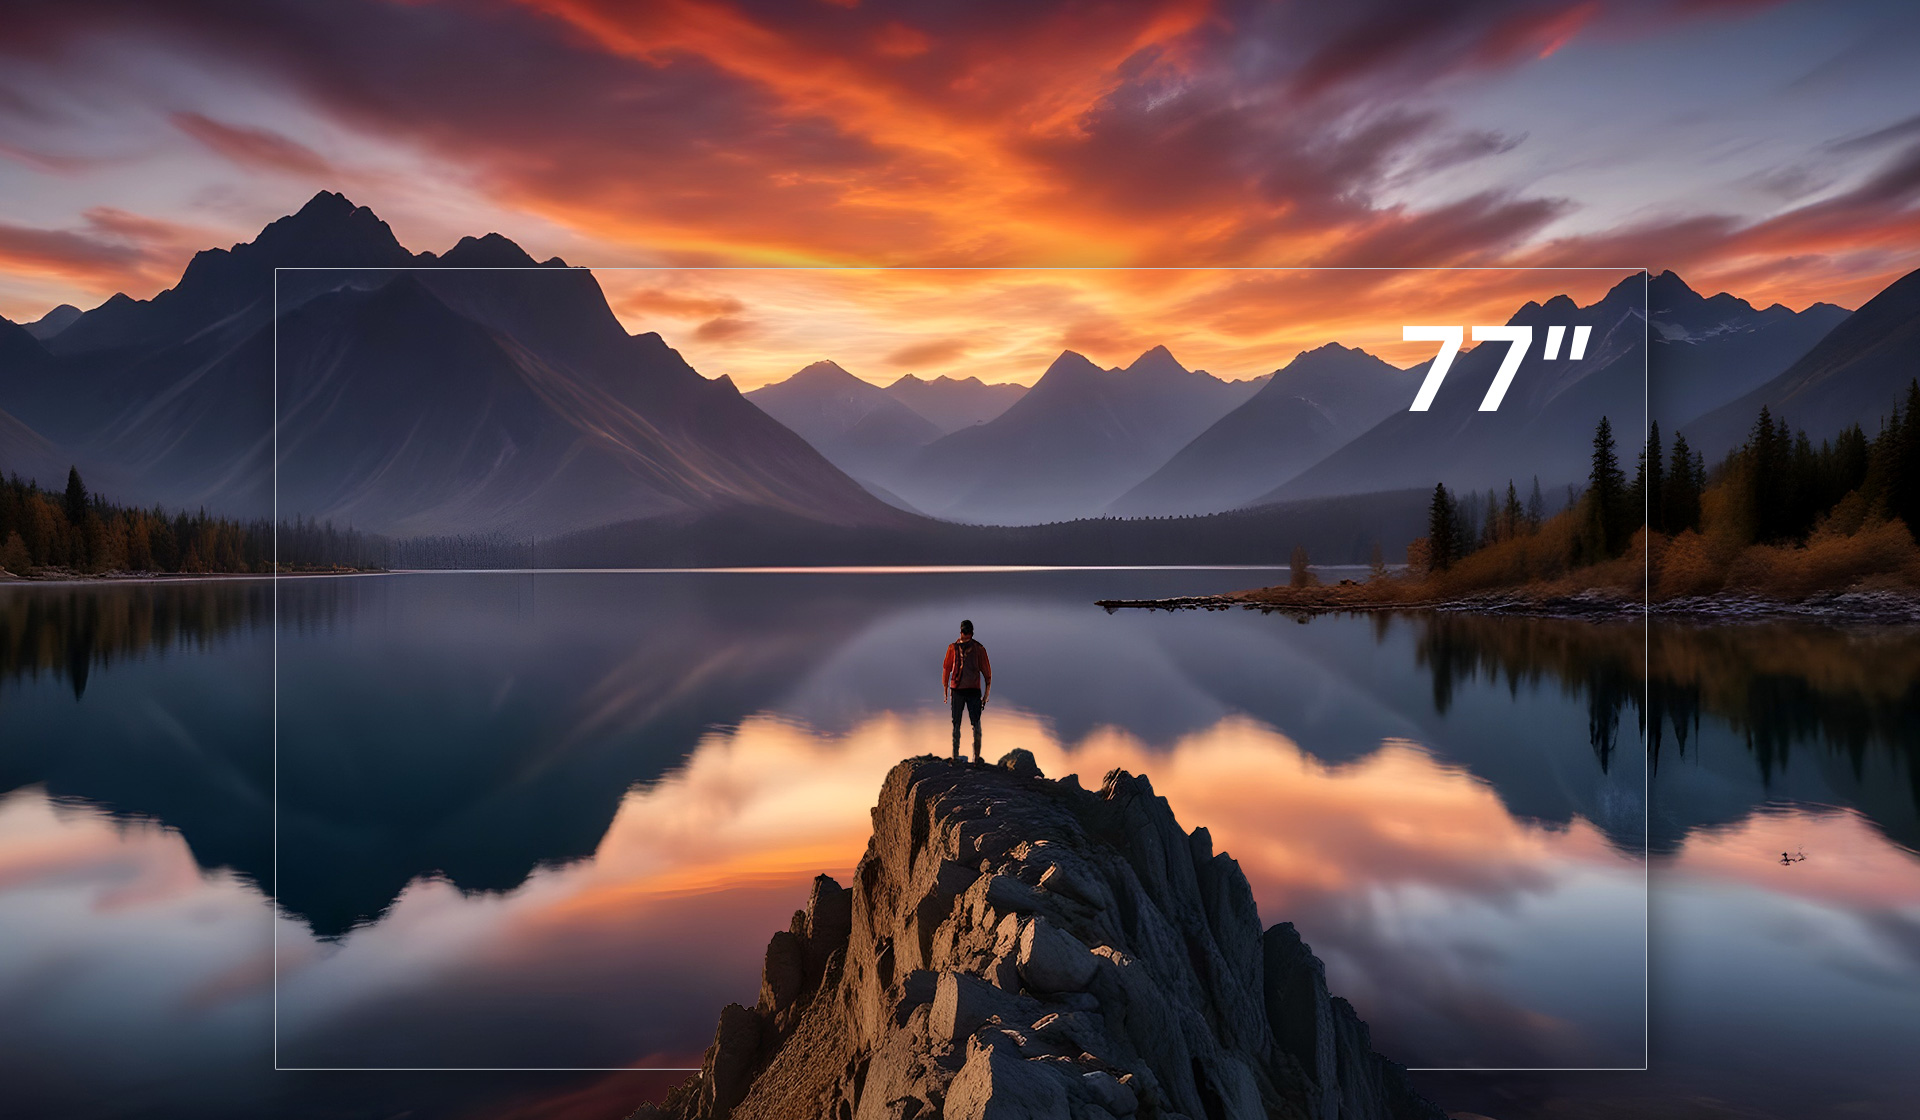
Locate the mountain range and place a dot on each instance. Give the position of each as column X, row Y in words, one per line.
column 1543, row 426
column 860, row 427
column 1854, row 374
column 953, row 403
column 1708, row 350
column 1304, row 411
column 481, row 391
column 1081, row 437
column 477, row 391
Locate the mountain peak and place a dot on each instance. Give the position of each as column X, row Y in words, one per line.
column 328, row 231
column 1158, row 360
column 1070, row 363
column 823, row 372
column 53, row 322
column 490, row 251
column 1668, row 285
column 325, row 205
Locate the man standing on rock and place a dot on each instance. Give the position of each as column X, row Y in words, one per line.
column 966, row 680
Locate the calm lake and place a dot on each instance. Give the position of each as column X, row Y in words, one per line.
column 548, row 822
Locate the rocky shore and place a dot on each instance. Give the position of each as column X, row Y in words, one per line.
column 1887, row 608
column 1014, row 947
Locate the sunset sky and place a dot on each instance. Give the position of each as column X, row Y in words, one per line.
column 1768, row 149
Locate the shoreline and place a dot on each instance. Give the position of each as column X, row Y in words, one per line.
column 63, row 579
column 1883, row 608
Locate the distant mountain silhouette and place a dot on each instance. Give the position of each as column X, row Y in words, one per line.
column 1709, row 350
column 53, row 322
column 1544, row 425
column 952, row 403
column 1081, row 437
column 25, row 363
column 1305, row 411
column 1853, row 375
column 856, row 424
column 471, row 392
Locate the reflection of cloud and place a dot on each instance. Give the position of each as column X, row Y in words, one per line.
column 119, row 957
column 1849, row 863
column 1429, row 900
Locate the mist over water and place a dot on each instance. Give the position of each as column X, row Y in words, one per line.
column 550, row 820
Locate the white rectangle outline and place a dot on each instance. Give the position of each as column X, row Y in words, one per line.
column 1646, row 617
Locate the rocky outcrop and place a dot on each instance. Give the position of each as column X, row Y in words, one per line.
column 1014, row 947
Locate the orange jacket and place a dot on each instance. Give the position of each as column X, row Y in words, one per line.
column 954, row 669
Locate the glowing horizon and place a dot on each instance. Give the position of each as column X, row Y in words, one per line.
column 1754, row 148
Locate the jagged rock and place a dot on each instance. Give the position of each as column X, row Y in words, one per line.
column 1014, row 948
column 1019, row 761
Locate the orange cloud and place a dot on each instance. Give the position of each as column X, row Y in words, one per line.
column 113, row 250
column 696, row 132
column 1008, row 324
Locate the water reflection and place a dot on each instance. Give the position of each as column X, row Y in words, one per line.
column 68, row 631
column 559, row 814
column 1845, row 702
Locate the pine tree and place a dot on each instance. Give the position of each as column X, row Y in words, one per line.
column 1441, row 528
column 76, row 503
column 1767, row 454
column 1650, row 483
column 1536, row 506
column 1685, row 479
column 1513, row 517
column 1903, row 477
column 1607, row 509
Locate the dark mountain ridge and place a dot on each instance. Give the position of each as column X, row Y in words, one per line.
column 1708, row 350
column 1853, row 375
column 556, row 417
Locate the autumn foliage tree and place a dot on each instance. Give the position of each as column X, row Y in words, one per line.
column 80, row 531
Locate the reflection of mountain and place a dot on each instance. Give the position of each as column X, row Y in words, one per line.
column 1305, row 411
column 499, row 720
column 516, row 752
column 1853, row 375
column 1544, row 425
column 156, row 705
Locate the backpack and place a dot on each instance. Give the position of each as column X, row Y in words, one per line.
column 966, row 674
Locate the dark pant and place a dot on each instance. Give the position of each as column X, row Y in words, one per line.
column 967, row 700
